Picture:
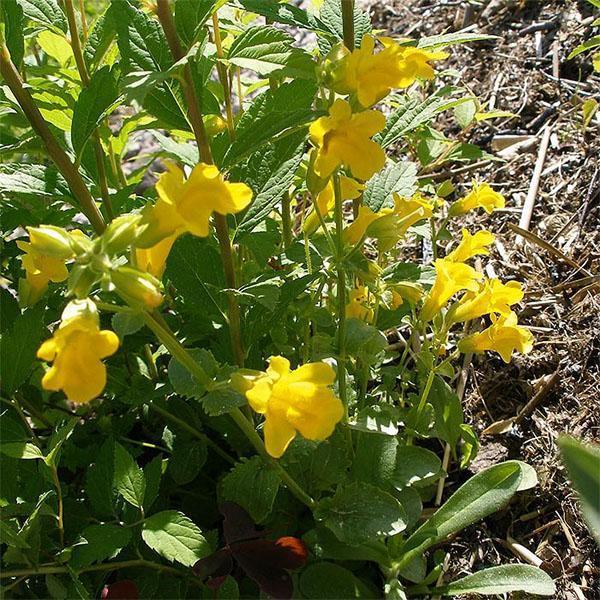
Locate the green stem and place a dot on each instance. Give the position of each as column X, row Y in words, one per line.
column 348, row 23
column 55, row 152
column 61, row 526
column 423, row 400
column 248, row 429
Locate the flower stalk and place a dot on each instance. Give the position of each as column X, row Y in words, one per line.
column 348, row 23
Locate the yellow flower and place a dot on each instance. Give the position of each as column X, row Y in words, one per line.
column 451, row 277
column 344, row 139
column 504, row 336
column 358, row 228
column 471, row 245
column 358, row 304
column 326, row 201
column 481, row 196
column 186, row 205
column 39, row 271
column 153, row 260
column 76, row 350
column 493, row 296
column 371, row 76
column 299, row 400
column 403, row 290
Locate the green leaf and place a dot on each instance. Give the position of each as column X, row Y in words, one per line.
column 59, row 437
column 190, row 16
column 22, row 450
column 270, row 52
column 451, row 39
column 270, row 173
column 377, row 418
column 583, row 465
column 502, row 580
column 56, row 46
column 416, row 466
column 129, row 478
column 272, row 113
column 253, row 484
column 593, row 42
column 448, row 411
column 19, row 347
column 175, row 537
column 375, row 458
column 331, row 16
column 222, row 400
column 152, row 472
column 412, row 112
column 359, row 512
column 99, row 479
column 103, row 542
column 485, row 493
column 186, row 153
column 94, row 104
column 288, row 14
column 328, row 581
column 143, row 47
column 37, row 180
column 12, row 17
column 183, row 381
column 45, row 12
column 100, row 37
column 364, row 341
column 187, row 459
column 395, row 178
column 324, row 545
column 10, row 537
column 127, row 323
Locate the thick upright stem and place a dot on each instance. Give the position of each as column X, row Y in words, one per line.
column 348, row 23
column 85, row 80
column 165, row 17
column 55, row 152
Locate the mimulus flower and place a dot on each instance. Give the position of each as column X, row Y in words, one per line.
column 358, row 304
column 481, row 196
column 344, row 139
column 358, row 228
column 493, row 296
column 372, row 75
column 504, row 336
column 187, row 205
column 40, row 269
column 471, row 245
column 451, row 277
column 76, row 350
column 153, row 260
column 291, row 401
column 325, row 201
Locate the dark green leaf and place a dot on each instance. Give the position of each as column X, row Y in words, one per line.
column 12, row 17
column 364, row 341
column 100, row 37
column 187, row 459
column 45, row 12
column 328, row 581
column 99, row 479
column 416, row 467
column 190, row 16
column 222, row 400
column 129, row 478
column 183, row 381
column 253, row 484
column 103, row 542
column 395, row 178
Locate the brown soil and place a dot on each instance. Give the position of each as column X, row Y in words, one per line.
column 562, row 303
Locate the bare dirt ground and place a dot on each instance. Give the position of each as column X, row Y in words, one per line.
column 526, row 72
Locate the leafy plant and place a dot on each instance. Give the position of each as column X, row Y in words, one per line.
column 253, row 334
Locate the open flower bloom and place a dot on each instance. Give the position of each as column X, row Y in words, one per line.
column 153, row 260
column 299, row 400
column 76, row 350
column 40, row 269
column 451, row 277
column 493, row 296
column 358, row 304
column 471, row 245
column 358, row 228
column 344, row 139
column 504, row 336
column 481, row 196
column 187, row 205
column 372, row 75
column 325, row 201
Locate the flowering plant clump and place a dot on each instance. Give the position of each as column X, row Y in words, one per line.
column 256, row 322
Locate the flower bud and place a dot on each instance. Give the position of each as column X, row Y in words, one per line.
column 214, row 124
column 81, row 308
column 81, row 280
column 314, row 183
column 80, row 242
column 137, row 287
column 121, row 233
column 332, row 73
column 51, row 241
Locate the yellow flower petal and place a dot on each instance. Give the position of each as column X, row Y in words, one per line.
column 278, row 433
column 471, row 245
column 481, row 196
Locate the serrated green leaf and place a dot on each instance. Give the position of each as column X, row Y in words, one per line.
column 175, row 537
column 152, row 472
column 190, row 16
column 100, row 36
column 187, row 459
column 183, row 381
column 503, row 579
column 269, row 51
column 129, row 478
column 99, row 479
column 360, row 512
column 186, row 153
column 45, row 12
column 104, row 541
column 37, row 180
column 126, row 323
column 287, row 14
column 253, row 484
column 222, row 400
column 94, row 104
column 331, row 16
column 12, row 17
column 395, row 178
